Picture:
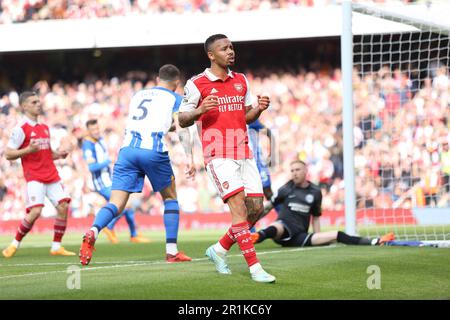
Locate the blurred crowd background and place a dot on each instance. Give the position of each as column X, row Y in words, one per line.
column 401, row 135
column 13, row 11
column 401, row 115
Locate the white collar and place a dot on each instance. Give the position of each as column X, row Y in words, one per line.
column 212, row 77
column 30, row 121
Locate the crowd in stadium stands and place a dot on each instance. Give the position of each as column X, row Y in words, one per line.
column 401, row 139
column 12, row 11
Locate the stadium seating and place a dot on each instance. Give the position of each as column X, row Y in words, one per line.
column 305, row 117
column 13, row 11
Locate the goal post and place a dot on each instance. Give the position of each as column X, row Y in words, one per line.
column 396, row 120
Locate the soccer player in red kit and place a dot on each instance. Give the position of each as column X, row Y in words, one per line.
column 219, row 101
column 30, row 141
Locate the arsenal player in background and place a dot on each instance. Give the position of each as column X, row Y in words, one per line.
column 219, row 100
column 30, row 141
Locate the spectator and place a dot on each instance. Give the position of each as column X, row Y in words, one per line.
column 445, row 166
column 12, row 11
column 305, row 117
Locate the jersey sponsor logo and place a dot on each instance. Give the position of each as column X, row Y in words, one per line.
column 309, row 198
column 238, row 87
column 291, row 196
column 44, row 143
column 230, row 99
column 213, row 90
column 230, row 103
column 298, row 207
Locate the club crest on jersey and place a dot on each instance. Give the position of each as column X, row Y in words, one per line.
column 225, row 185
column 238, row 87
column 309, row 198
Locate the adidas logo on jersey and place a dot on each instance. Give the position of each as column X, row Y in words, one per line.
column 213, row 90
column 33, row 134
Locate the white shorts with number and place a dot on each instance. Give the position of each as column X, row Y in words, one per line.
column 36, row 192
column 233, row 176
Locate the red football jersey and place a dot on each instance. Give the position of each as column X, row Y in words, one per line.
column 37, row 166
column 223, row 131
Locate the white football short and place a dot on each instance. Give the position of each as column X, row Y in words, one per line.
column 231, row 176
column 36, row 192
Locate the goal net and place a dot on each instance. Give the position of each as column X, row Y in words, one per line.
column 401, row 100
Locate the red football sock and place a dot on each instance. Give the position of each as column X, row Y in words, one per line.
column 241, row 233
column 60, row 229
column 227, row 240
column 23, row 229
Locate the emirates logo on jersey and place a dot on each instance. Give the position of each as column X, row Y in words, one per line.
column 238, row 87
column 44, row 143
column 230, row 103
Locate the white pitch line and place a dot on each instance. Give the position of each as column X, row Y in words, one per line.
column 67, row 263
column 145, row 263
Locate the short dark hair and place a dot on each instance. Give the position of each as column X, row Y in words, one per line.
column 25, row 95
column 91, row 122
column 169, row 72
column 212, row 39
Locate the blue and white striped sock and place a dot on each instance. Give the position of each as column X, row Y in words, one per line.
column 171, row 222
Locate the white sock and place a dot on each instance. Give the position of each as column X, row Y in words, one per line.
column 171, row 248
column 56, row 246
column 15, row 243
column 256, row 267
column 95, row 232
column 219, row 249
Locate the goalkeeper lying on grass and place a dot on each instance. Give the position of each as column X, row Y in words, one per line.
column 298, row 200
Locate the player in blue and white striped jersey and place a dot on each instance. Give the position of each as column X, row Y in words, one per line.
column 95, row 153
column 145, row 154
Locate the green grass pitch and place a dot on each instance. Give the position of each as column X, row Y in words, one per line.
column 139, row 271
